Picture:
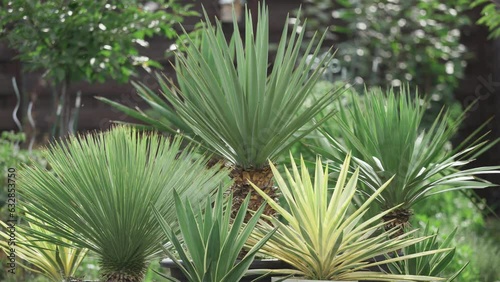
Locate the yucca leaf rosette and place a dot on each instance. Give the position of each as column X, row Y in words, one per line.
column 383, row 132
column 238, row 103
column 210, row 240
column 100, row 188
column 323, row 234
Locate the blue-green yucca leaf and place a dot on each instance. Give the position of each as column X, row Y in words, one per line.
column 100, row 187
column 169, row 122
column 210, row 251
column 225, row 97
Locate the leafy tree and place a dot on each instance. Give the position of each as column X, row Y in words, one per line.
column 384, row 43
column 73, row 40
column 490, row 16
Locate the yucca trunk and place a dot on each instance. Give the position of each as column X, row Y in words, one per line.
column 129, row 273
column 123, row 277
column 262, row 178
column 400, row 219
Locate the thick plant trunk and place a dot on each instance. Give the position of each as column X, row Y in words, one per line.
column 399, row 219
column 123, row 270
column 122, row 277
column 262, row 178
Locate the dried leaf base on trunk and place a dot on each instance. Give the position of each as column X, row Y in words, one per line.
column 120, row 271
column 263, row 178
column 400, row 219
column 215, row 161
column 124, row 277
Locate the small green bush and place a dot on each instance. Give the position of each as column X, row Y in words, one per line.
column 448, row 211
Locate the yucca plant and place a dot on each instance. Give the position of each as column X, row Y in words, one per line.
column 226, row 99
column 433, row 265
column 212, row 240
column 383, row 132
column 57, row 263
column 323, row 234
column 100, row 189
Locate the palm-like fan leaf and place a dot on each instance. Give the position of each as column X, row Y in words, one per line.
column 100, row 188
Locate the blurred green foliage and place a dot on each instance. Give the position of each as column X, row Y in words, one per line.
column 473, row 242
column 490, row 16
column 484, row 257
column 383, row 43
column 11, row 155
column 74, row 40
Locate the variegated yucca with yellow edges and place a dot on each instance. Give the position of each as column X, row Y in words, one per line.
column 56, row 262
column 323, row 235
